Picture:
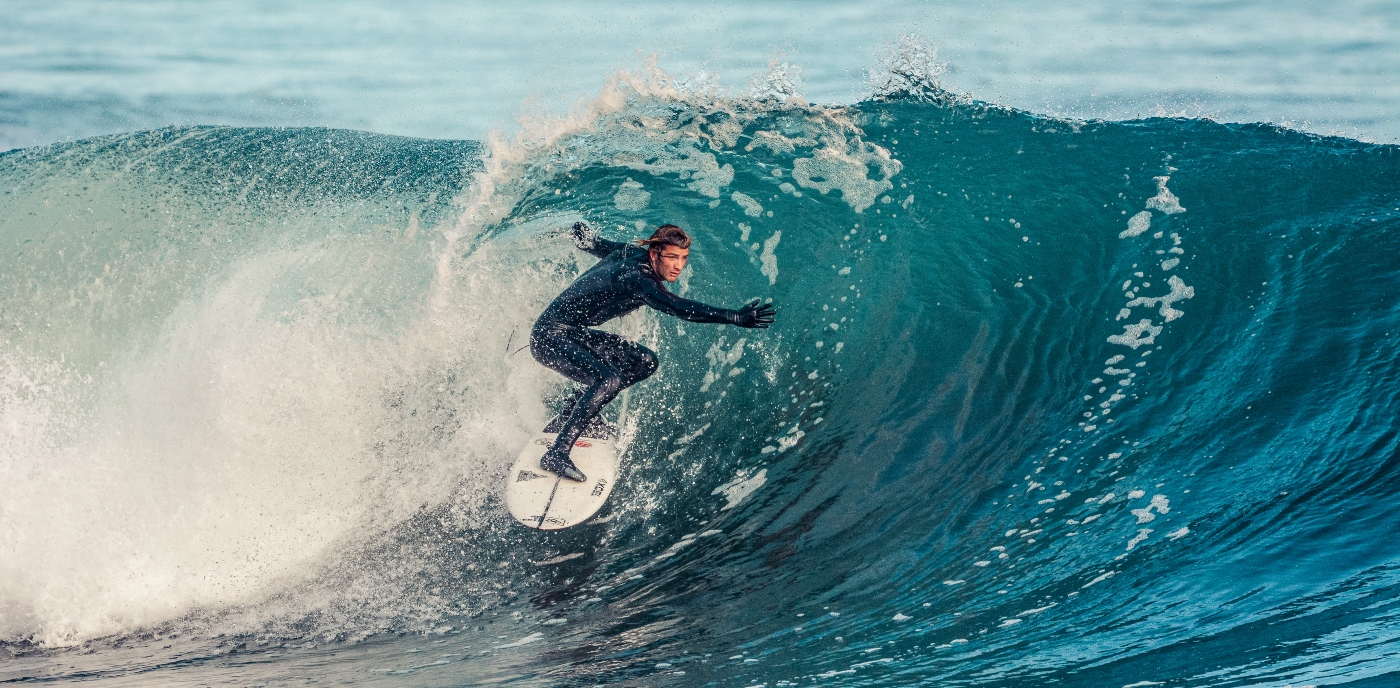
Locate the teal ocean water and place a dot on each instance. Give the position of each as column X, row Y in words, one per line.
column 438, row 69
column 1051, row 399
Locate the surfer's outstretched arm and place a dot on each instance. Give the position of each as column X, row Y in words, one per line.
column 587, row 239
column 654, row 295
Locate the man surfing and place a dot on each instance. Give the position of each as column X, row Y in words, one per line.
column 626, row 278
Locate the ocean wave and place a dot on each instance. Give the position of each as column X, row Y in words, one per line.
column 1047, row 399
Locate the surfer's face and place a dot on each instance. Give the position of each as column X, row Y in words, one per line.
column 669, row 261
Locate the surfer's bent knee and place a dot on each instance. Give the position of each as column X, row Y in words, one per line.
column 611, row 384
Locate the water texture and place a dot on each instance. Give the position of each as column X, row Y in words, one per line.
column 445, row 69
column 1049, row 401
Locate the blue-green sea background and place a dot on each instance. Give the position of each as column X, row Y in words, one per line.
column 1084, row 371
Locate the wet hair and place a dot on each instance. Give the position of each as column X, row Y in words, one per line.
column 666, row 235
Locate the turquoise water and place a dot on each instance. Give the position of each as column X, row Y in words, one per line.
column 458, row 70
column 1050, row 401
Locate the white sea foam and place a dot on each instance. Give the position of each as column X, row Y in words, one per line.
column 559, row 559
column 687, row 439
column 768, row 260
column 246, row 440
column 737, row 490
column 1159, row 503
column 1137, row 224
column 751, row 207
column 1144, row 332
column 790, row 440
column 532, row 638
column 1141, row 535
column 1037, row 610
column 846, row 168
column 1179, row 292
column 1165, row 201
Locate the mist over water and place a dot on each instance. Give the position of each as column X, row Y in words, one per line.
column 1048, row 401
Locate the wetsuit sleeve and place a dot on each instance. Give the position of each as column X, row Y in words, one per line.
column 586, row 239
column 654, row 295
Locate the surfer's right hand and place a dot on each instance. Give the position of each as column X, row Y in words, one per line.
column 754, row 315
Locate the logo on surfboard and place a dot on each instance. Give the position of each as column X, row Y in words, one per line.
column 545, row 442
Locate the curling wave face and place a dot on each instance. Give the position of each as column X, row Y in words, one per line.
column 1092, row 402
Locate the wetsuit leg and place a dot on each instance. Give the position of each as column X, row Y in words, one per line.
column 604, row 362
column 632, row 361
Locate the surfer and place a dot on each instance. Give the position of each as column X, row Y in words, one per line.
column 626, row 278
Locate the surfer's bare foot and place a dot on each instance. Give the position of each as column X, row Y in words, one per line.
column 560, row 465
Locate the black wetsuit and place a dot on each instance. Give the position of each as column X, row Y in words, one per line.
column 563, row 340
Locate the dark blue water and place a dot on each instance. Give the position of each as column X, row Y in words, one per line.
column 1048, row 402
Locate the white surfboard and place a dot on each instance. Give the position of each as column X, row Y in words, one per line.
column 540, row 499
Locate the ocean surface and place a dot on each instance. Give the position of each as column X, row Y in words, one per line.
column 444, row 69
column 1065, row 389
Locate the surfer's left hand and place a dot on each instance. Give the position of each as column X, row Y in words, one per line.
column 754, row 315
